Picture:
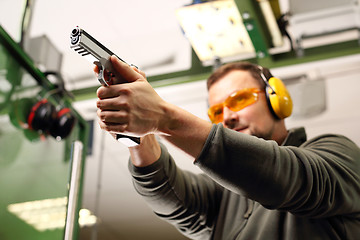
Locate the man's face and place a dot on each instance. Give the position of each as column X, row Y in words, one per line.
column 255, row 119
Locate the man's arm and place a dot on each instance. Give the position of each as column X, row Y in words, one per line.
column 321, row 178
column 146, row 153
column 134, row 108
column 188, row 201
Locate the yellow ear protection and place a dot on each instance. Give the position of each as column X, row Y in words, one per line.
column 278, row 97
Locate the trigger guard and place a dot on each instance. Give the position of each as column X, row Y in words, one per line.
column 101, row 78
column 106, row 65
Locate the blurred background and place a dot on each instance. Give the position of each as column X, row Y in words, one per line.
column 70, row 180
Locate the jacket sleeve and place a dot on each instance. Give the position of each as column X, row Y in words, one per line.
column 318, row 179
column 188, row 201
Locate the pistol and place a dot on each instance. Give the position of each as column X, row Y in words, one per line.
column 88, row 47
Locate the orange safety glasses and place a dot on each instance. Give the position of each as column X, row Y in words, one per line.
column 235, row 102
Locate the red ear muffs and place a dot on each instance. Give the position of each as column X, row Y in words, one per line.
column 63, row 125
column 42, row 116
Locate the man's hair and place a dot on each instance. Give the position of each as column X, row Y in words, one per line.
column 253, row 69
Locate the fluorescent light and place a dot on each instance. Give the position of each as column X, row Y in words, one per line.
column 215, row 29
column 48, row 214
column 86, row 218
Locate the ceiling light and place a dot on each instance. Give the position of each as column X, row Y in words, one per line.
column 215, row 29
column 48, row 214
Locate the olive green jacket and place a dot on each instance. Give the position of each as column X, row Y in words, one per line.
column 255, row 189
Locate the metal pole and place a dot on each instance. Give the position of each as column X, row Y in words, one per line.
column 72, row 209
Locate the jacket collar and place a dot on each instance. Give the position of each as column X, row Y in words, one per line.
column 295, row 137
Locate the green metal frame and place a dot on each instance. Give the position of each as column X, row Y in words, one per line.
column 82, row 126
column 253, row 21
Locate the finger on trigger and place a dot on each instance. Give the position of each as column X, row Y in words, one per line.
column 125, row 70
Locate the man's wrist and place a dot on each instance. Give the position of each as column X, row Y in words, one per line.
column 147, row 152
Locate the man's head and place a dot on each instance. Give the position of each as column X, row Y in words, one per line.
column 245, row 66
column 237, row 98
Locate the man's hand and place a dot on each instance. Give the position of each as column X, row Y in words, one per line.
column 113, row 60
column 132, row 107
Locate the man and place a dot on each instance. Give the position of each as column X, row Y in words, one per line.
column 260, row 181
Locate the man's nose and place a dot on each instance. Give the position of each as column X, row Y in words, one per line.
column 230, row 117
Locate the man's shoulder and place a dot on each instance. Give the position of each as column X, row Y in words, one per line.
column 332, row 142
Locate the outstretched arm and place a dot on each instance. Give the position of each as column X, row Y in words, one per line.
column 134, row 108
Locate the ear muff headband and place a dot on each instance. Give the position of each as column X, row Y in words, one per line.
column 278, row 97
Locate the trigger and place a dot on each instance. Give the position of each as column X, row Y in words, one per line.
column 101, row 78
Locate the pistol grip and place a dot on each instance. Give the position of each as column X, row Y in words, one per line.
column 128, row 141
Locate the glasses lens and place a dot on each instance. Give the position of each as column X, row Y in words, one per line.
column 241, row 99
column 235, row 102
column 215, row 113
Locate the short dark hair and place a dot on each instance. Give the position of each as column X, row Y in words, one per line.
column 253, row 69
